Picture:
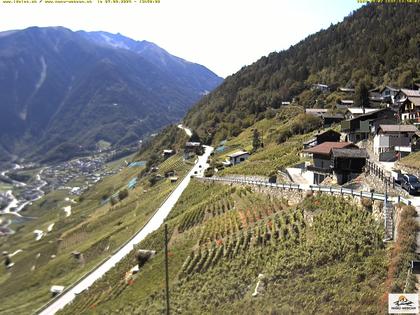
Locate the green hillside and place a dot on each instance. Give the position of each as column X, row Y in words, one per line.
column 322, row 255
column 310, row 253
column 101, row 220
column 377, row 44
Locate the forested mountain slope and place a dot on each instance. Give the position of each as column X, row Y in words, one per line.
column 377, row 44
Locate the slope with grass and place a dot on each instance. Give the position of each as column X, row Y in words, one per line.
column 95, row 228
column 322, row 255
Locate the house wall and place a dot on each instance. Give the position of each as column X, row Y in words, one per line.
column 387, row 142
column 321, row 161
column 239, row 159
column 352, row 165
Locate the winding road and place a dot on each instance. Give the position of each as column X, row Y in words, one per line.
column 153, row 224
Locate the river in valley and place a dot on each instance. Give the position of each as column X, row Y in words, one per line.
column 19, row 197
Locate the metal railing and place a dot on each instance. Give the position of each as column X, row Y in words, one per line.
column 313, row 188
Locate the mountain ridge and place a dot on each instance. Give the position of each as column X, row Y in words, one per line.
column 60, row 86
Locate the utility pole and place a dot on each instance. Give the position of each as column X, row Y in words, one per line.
column 166, row 269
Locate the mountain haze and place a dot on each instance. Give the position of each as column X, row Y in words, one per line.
column 63, row 91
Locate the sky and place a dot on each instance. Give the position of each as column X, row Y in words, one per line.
column 223, row 35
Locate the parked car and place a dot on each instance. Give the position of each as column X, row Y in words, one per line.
column 410, row 183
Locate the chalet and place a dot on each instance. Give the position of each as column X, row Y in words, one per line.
column 168, row 153
column 360, row 128
column 388, row 94
column 409, row 109
column 173, row 179
column 339, row 159
column 393, row 140
column 192, row 145
column 354, row 112
column 316, row 111
column 238, row 157
column 192, row 148
column 329, row 118
column 345, row 102
column 321, row 87
column 405, row 93
column 325, row 136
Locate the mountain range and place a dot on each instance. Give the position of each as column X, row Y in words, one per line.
column 62, row 92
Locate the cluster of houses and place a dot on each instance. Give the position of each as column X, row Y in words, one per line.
column 391, row 119
column 390, row 123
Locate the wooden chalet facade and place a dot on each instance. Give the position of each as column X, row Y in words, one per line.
column 361, row 127
column 342, row 160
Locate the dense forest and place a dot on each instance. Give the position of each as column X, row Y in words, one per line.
column 377, row 45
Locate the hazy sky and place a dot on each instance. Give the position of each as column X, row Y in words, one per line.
column 223, row 35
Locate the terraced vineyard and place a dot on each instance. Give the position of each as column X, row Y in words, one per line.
column 326, row 252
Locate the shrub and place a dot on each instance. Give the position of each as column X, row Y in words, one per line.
column 122, row 194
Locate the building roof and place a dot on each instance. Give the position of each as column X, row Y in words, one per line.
column 398, row 128
column 372, row 113
column 342, row 89
column 320, row 85
column 350, row 153
column 316, row 110
column 389, row 88
column 330, row 115
column 414, row 100
column 359, row 110
column 193, row 144
column 238, row 153
column 326, row 147
column 412, row 93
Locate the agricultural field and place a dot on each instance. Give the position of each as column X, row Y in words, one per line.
column 91, row 225
column 322, row 255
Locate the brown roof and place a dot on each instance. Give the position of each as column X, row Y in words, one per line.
column 398, row 128
column 326, row 147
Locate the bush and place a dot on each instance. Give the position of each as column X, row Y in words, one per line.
column 367, row 203
column 122, row 194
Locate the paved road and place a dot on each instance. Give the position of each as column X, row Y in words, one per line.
column 154, row 223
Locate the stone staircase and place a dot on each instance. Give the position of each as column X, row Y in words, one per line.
column 388, row 211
